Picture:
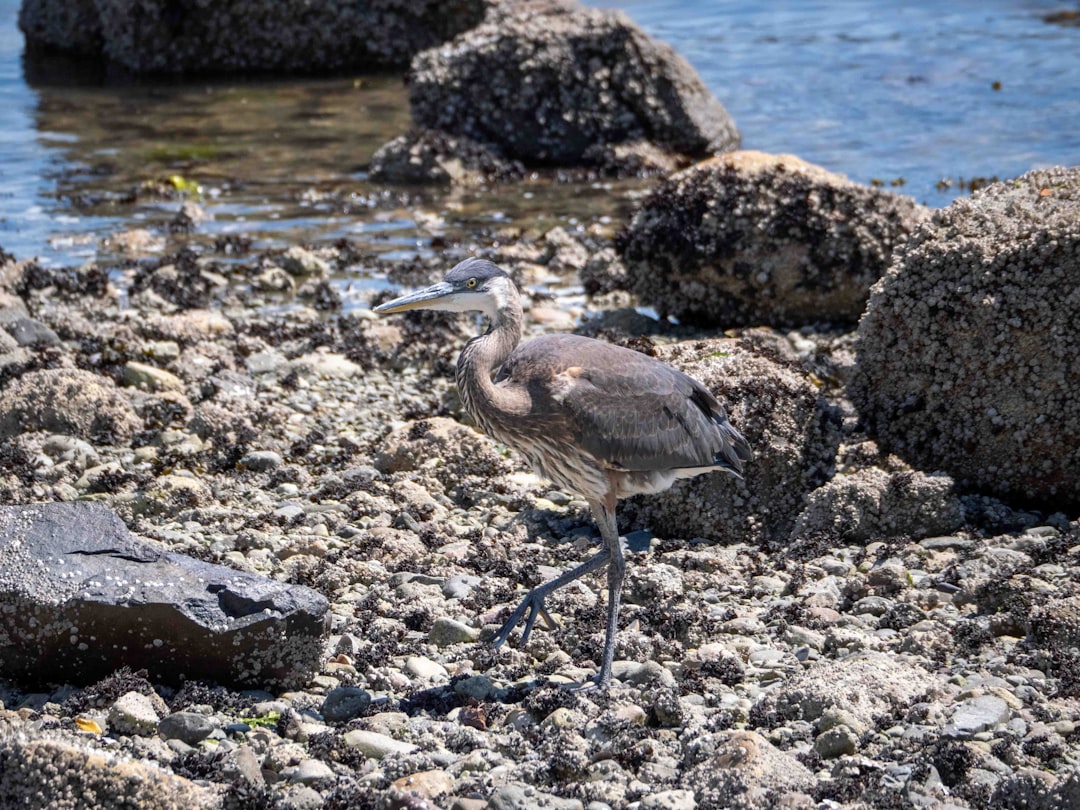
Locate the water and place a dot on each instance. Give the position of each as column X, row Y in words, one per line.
column 891, row 93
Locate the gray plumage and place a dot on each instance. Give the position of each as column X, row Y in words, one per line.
column 594, row 418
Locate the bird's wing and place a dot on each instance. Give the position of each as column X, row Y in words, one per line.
column 628, row 410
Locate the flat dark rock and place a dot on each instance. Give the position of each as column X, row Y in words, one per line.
column 80, row 597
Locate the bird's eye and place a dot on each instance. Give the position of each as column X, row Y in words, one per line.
column 470, row 283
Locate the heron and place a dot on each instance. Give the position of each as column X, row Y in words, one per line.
column 592, row 417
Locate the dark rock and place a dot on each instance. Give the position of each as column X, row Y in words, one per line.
column 967, row 354
column 430, row 156
column 80, row 597
column 749, row 239
column 792, row 432
column 545, row 81
column 188, row 727
column 344, row 703
column 30, row 332
column 160, row 36
column 69, row 401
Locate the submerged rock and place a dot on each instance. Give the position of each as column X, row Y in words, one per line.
column 546, row 81
column 80, row 597
column 790, row 429
column 157, row 36
column 967, row 354
column 748, row 239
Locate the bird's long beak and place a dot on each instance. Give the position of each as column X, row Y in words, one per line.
column 421, row 299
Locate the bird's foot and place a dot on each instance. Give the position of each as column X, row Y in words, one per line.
column 593, row 684
column 533, row 603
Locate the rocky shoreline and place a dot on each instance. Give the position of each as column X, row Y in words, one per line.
column 884, row 613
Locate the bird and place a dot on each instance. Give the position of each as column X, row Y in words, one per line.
column 594, row 418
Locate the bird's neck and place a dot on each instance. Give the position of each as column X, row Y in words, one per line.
column 482, row 355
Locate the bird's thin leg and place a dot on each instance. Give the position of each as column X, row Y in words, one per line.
column 534, row 600
column 605, row 518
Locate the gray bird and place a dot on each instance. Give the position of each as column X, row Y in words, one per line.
column 594, row 418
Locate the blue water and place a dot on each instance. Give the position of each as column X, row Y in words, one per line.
column 897, row 93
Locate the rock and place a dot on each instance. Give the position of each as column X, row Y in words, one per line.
column 69, row 401
column 874, row 504
column 456, row 451
column 446, row 631
column 1055, row 624
column 432, row 785
column 836, row 742
column 431, row 156
column 861, row 686
column 65, row 774
column 141, row 375
column 308, row 772
column 604, row 272
column 669, row 800
column 977, row 714
column 790, row 429
column 748, row 239
column 188, row 727
column 545, row 81
column 170, row 494
column 302, row 262
column 966, row 357
column 31, row 332
column 80, row 597
column 343, row 703
column 322, row 35
column 747, row 772
column 261, row 461
column 526, row 797
column 424, row 668
column 328, row 365
column 374, row 745
column 133, row 713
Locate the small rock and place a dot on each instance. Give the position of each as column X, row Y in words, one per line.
column 188, row 727
column 344, row 703
column 261, row 461
column 133, row 713
column 445, row 631
column 836, row 742
column 977, row 714
column 374, row 745
column 526, row 797
column 429, row 784
column 308, row 772
column 669, row 800
column 151, row 378
column 424, row 668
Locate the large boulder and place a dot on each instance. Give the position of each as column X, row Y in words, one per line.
column 749, row 239
column 69, row 401
column 545, row 81
column 791, row 430
column 968, row 357
column 162, row 36
column 80, row 597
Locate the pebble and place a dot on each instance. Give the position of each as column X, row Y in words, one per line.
column 374, row 745
column 308, row 771
column 669, row 800
column 343, row 703
column 188, row 727
column 133, row 713
column 425, row 669
column 977, row 714
column 432, row 784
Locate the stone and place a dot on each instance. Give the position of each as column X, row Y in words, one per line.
column 864, row 686
column 302, row 262
column 751, row 239
column 31, row 332
column 141, row 375
column 838, row 741
column 431, row 156
column 792, row 432
column 133, row 713
column 669, row 800
column 966, row 356
column 446, row 631
column 977, row 714
column 424, row 668
column 63, row 773
column 308, row 772
column 69, row 401
column 343, row 703
column 374, row 745
column 747, row 772
column 874, row 504
column 188, row 727
column 80, row 597
column 256, row 35
column 261, row 461
column 526, row 797
column 458, row 450
column 434, row 784
column 545, row 81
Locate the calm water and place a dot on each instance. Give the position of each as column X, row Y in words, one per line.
column 879, row 91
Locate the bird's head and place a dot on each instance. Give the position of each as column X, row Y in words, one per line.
column 473, row 285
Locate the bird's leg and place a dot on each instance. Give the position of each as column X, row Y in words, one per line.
column 534, row 600
column 605, row 518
